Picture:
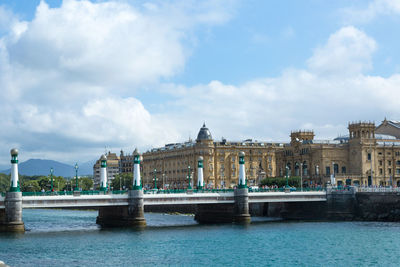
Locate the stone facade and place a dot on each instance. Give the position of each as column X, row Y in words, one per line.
column 362, row 158
column 221, row 163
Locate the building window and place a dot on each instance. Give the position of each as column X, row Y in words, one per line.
column 343, row 169
column 380, row 163
column 380, row 171
column 398, row 162
column 389, row 163
column 397, row 171
column 328, row 170
column 390, row 171
column 335, row 168
column 369, row 156
column 397, row 153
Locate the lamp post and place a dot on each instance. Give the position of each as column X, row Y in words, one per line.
column 76, row 178
column 51, row 176
column 190, row 185
column 287, row 176
column 155, row 178
column 317, row 172
column 301, row 174
column 163, row 181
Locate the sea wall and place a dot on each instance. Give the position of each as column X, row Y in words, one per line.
column 378, row 206
column 345, row 206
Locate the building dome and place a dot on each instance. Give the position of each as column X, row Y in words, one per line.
column 204, row 134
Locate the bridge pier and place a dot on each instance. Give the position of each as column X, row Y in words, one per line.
column 124, row 216
column 11, row 216
column 241, row 212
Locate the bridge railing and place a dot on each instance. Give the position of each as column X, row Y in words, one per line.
column 378, row 189
column 293, row 189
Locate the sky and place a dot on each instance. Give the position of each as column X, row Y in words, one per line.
column 81, row 77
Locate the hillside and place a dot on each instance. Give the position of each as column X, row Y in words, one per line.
column 42, row 167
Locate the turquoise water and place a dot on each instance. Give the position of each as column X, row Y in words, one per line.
column 71, row 238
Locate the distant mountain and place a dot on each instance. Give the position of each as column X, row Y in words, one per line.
column 42, row 167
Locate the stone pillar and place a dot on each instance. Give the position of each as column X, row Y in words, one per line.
column 136, row 208
column 136, row 205
column 103, row 173
column 200, row 181
column 11, row 217
column 241, row 212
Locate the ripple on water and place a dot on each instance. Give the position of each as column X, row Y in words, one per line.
column 69, row 237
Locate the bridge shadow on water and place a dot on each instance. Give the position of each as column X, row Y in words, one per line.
column 41, row 221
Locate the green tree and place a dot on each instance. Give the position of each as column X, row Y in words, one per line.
column 4, row 182
column 121, row 180
column 281, row 181
column 59, row 183
column 44, row 183
column 30, row 186
column 85, row 183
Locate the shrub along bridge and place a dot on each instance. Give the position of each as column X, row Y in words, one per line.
column 126, row 208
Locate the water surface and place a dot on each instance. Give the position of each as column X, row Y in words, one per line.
column 71, row 238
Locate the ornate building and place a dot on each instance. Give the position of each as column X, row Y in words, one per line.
column 368, row 156
column 361, row 158
column 173, row 163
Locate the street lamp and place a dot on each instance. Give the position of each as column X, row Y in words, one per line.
column 301, row 174
column 76, row 178
column 287, row 176
column 155, row 178
column 51, row 175
column 163, row 177
column 190, row 185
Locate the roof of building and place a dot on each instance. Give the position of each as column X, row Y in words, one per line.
column 394, row 123
column 204, row 134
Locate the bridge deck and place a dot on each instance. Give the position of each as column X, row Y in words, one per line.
column 68, row 201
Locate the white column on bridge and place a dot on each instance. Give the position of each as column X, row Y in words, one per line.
column 242, row 172
column 14, row 171
column 200, row 181
column 136, row 171
column 103, row 173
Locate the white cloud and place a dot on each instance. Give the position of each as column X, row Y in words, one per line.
column 332, row 91
column 68, row 78
column 374, row 9
column 348, row 51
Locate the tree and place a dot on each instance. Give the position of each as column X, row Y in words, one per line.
column 30, row 186
column 4, row 182
column 124, row 179
column 281, row 181
column 59, row 183
column 85, row 183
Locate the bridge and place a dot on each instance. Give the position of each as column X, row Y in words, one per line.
column 96, row 200
column 127, row 208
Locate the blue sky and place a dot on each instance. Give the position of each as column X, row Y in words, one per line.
column 77, row 76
